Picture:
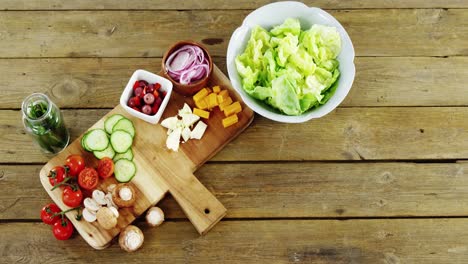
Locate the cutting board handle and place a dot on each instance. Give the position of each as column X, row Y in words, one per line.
column 199, row 204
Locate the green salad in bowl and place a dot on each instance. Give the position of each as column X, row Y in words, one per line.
column 290, row 62
column 291, row 69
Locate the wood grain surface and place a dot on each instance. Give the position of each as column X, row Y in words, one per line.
column 381, row 81
column 374, row 32
column 280, row 241
column 379, row 180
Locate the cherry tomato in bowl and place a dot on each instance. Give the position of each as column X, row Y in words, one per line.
column 72, row 197
column 56, row 175
column 105, row 168
column 62, row 229
column 47, row 213
column 88, row 179
column 75, row 164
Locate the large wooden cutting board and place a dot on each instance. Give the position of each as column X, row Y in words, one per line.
column 160, row 170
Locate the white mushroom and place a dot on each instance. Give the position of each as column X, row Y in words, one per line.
column 91, row 205
column 125, row 193
column 109, row 201
column 99, row 197
column 114, row 210
column 88, row 215
column 106, row 218
column 154, row 216
column 131, row 238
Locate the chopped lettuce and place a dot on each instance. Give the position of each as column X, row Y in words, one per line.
column 290, row 69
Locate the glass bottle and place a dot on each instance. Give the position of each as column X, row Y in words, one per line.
column 43, row 120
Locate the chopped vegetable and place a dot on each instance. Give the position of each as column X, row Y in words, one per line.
column 290, row 69
column 187, row 64
column 124, row 170
column 106, row 218
column 201, row 113
column 229, row 121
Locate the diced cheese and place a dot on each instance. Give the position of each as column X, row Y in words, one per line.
column 189, row 119
column 201, row 113
column 212, row 101
column 229, row 121
column 173, row 139
column 201, row 104
column 199, row 130
column 185, row 110
column 232, row 109
column 216, row 89
column 170, row 122
column 225, row 103
column 201, row 94
column 186, row 133
column 224, row 93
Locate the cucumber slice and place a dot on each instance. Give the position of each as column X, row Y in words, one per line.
column 125, row 125
column 111, row 121
column 96, row 139
column 83, row 144
column 126, row 155
column 124, row 170
column 108, row 152
column 121, row 141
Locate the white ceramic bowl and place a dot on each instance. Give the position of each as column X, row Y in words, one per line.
column 166, row 86
column 274, row 14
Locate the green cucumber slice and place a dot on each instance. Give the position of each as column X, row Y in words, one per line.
column 121, row 141
column 125, row 125
column 96, row 139
column 83, row 145
column 108, row 152
column 124, row 170
column 126, row 155
column 111, row 121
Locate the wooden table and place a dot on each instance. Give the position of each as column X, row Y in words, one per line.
column 379, row 180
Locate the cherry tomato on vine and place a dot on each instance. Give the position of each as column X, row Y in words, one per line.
column 62, row 229
column 75, row 164
column 56, row 175
column 72, row 196
column 47, row 213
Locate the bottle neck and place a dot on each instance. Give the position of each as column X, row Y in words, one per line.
column 36, row 108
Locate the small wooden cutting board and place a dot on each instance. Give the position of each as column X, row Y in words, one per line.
column 160, row 170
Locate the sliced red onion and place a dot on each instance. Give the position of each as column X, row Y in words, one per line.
column 187, row 64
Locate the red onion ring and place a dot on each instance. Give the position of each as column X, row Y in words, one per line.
column 187, row 64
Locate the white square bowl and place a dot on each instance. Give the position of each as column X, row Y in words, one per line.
column 166, row 86
column 275, row 14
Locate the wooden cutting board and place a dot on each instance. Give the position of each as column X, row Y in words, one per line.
column 160, row 170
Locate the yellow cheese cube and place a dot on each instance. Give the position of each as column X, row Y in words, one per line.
column 225, row 103
column 216, row 89
column 224, row 94
column 201, row 113
column 212, row 100
column 201, row 94
column 201, row 104
column 232, row 109
column 229, row 121
column 207, row 102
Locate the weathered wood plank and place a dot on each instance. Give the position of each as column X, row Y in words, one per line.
column 376, row 32
column 98, row 83
column 304, row 241
column 285, row 190
column 215, row 4
column 396, row 133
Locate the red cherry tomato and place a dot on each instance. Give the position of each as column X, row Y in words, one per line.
column 157, row 86
column 105, row 167
column 156, row 94
column 136, row 85
column 56, row 175
column 154, row 109
column 75, row 164
column 71, row 197
column 88, row 179
column 47, row 213
column 62, row 229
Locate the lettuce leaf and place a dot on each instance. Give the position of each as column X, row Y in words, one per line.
column 290, row 69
